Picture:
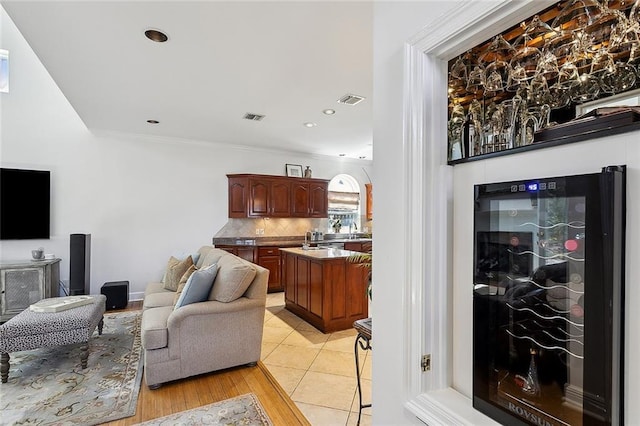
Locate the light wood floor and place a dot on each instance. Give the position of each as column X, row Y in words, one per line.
column 201, row 390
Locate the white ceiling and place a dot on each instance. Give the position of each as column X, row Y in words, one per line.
column 286, row 60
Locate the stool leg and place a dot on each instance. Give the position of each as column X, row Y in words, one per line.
column 100, row 325
column 84, row 354
column 4, row 366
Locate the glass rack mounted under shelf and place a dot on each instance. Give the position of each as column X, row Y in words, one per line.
column 504, row 93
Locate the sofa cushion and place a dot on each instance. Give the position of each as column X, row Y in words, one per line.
column 154, row 333
column 198, row 286
column 154, row 287
column 212, row 257
column 156, row 300
column 175, row 270
column 233, row 279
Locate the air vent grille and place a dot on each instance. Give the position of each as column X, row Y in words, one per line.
column 253, row 117
column 350, row 99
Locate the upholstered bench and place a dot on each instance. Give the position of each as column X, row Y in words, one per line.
column 32, row 330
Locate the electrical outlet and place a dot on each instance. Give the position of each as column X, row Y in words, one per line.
column 259, row 231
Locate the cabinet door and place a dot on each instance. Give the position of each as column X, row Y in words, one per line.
column 318, row 199
column 316, row 285
column 258, row 198
column 309, row 199
column 272, row 263
column 269, row 257
column 289, row 276
column 20, row 288
column 238, row 192
column 280, row 198
column 300, row 200
column 302, row 282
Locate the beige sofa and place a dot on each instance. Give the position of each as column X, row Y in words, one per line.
column 205, row 336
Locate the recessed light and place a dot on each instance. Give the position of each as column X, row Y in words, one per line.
column 310, row 124
column 156, row 35
column 153, row 122
column 328, row 111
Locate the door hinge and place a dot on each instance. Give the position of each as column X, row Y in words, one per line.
column 426, row 362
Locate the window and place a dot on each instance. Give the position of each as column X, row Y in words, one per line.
column 344, row 204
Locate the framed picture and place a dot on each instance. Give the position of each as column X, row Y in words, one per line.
column 294, row 170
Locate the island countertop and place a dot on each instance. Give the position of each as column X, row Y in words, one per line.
column 320, row 253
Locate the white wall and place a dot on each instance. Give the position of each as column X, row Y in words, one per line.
column 394, row 24
column 141, row 199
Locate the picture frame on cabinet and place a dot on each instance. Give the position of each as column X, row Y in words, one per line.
column 293, row 170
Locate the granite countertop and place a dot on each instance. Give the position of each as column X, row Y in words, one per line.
column 280, row 241
column 321, row 253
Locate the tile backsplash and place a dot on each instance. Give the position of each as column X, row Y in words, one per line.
column 273, row 227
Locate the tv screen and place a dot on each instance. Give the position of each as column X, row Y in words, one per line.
column 24, row 204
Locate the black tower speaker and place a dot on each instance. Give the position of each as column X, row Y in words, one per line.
column 79, row 262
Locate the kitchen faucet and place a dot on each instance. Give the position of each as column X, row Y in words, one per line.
column 355, row 227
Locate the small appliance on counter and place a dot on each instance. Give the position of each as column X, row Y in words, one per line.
column 315, row 235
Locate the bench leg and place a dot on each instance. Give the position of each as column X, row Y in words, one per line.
column 84, row 354
column 100, row 325
column 4, row 366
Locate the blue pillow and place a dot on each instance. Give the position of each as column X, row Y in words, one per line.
column 198, row 286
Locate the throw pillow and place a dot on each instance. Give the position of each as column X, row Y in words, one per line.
column 198, row 286
column 183, row 282
column 194, row 256
column 233, row 279
column 175, row 270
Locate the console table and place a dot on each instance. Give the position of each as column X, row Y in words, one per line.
column 363, row 341
column 24, row 282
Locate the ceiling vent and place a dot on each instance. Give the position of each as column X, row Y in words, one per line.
column 350, row 99
column 253, row 117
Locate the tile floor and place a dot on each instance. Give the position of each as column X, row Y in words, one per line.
column 317, row 370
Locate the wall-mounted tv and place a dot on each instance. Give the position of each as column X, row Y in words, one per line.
column 24, row 204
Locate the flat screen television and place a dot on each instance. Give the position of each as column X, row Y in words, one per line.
column 24, row 204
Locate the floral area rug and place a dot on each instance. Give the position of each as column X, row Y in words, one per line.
column 48, row 386
column 241, row 410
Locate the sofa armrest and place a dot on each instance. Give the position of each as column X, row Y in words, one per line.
column 199, row 329
column 212, row 307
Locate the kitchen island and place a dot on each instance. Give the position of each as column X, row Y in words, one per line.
column 323, row 288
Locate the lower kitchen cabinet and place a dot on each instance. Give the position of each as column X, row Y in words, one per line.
column 247, row 253
column 269, row 258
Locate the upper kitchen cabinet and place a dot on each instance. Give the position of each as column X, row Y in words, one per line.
column 276, row 196
column 238, row 196
column 269, row 197
column 309, row 198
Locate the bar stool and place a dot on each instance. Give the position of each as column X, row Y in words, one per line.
column 363, row 341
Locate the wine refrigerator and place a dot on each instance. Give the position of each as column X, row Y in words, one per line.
column 548, row 299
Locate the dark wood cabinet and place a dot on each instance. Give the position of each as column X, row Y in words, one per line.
column 309, row 199
column 269, row 198
column 247, row 253
column 329, row 293
column 238, row 196
column 276, row 196
column 269, row 258
column 361, row 246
